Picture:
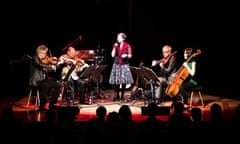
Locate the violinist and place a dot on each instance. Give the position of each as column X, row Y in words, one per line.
column 167, row 69
column 70, row 61
column 48, row 88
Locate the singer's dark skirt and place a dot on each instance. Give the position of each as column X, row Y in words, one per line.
column 120, row 74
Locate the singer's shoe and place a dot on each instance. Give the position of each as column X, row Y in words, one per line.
column 116, row 98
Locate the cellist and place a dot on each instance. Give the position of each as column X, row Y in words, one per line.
column 167, row 69
column 190, row 81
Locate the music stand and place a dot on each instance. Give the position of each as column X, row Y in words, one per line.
column 139, row 75
column 149, row 74
column 93, row 71
column 98, row 69
column 88, row 71
column 96, row 75
column 152, row 79
column 67, row 91
column 137, row 71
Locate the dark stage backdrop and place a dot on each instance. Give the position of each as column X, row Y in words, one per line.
column 148, row 24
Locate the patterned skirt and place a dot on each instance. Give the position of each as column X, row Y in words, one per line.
column 120, row 74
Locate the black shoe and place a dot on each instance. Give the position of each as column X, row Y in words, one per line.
column 51, row 106
column 116, row 98
column 82, row 102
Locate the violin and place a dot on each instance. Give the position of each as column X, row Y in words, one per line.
column 79, row 61
column 75, row 60
column 50, row 60
column 163, row 60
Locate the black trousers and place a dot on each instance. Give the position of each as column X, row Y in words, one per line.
column 48, row 90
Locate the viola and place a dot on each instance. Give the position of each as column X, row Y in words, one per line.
column 50, row 60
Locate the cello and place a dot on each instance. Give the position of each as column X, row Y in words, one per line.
column 182, row 73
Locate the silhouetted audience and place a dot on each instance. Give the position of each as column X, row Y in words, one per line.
column 97, row 124
column 125, row 116
column 152, row 124
column 112, row 122
column 127, row 127
column 198, row 126
column 217, row 125
column 178, row 121
column 67, row 127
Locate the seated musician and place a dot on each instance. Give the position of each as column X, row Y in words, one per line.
column 72, row 66
column 190, row 82
column 167, row 68
column 48, row 88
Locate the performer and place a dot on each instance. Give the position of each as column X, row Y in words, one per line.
column 190, row 82
column 121, row 73
column 41, row 64
column 76, row 65
column 167, row 69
